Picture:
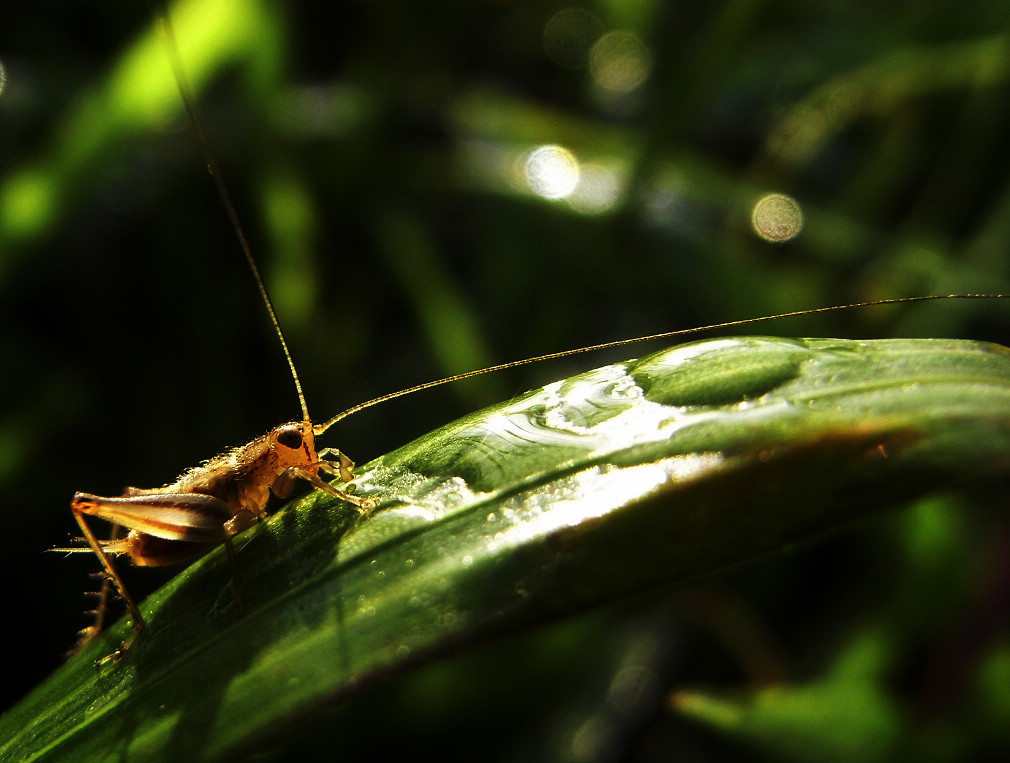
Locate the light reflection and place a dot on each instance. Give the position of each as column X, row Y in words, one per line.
column 569, row 35
column 571, row 500
column 551, row 172
column 3, row 77
column 548, row 172
column 777, row 218
column 619, row 62
column 599, row 190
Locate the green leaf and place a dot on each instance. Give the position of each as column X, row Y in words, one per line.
column 596, row 487
column 844, row 715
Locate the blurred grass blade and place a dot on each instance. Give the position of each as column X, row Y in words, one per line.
column 599, row 486
column 846, row 714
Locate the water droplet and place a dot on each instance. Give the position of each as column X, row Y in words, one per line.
column 620, row 62
column 777, row 218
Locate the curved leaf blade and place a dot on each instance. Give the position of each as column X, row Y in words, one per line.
column 599, row 486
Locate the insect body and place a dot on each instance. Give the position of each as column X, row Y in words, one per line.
column 208, row 504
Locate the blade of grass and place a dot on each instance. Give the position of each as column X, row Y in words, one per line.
column 596, row 487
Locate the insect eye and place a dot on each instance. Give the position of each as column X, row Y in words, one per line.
column 290, row 438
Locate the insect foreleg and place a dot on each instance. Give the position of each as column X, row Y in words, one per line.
column 342, row 467
column 282, row 486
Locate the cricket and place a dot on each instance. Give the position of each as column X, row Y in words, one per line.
column 210, row 504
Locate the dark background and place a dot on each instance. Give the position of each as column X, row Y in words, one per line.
column 371, row 149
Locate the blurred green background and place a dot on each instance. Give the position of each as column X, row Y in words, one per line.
column 432, row 187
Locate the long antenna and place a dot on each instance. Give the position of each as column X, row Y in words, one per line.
column 320, row 428
column 172, row 45
column 165, row 27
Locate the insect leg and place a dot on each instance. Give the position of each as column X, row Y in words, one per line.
column 343, row 467
column 136, row 618
column 101, row 608
column 191, row 517
column 364, row 505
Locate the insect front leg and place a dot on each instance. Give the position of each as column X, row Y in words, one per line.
column 343, row 468
column 364, row 505
column 335, row 463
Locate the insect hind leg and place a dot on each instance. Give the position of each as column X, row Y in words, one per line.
column 111, row 576
column 98, row 612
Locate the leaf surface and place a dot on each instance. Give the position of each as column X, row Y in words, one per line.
column 596, row 487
